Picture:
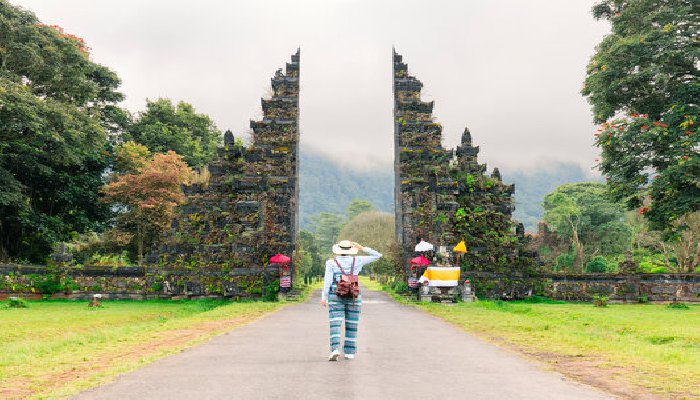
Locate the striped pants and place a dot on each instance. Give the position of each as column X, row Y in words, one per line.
column 340, row 310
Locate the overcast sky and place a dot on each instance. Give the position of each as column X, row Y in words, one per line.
column 510, row 70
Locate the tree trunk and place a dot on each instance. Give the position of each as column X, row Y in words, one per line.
column 578, row 262
column 139, row 240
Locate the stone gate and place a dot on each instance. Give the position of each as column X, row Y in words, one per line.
column 444, row 195
column 248, row 210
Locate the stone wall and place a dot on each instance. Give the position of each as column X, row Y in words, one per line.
column 136, row 283
column 152, row 282
column 628, row 288
column 582, row 287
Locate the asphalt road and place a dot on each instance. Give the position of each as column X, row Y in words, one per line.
column 402, row 354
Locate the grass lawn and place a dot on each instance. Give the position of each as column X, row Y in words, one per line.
column 56, row 348
column 618, row 347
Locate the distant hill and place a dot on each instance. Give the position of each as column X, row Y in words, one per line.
column 325, row 186
column 532, row 185
column 328, row 187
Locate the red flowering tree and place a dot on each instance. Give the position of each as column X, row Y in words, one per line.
column 147, row 192
column 76, row 41
column 653, row 164
column 644, row 86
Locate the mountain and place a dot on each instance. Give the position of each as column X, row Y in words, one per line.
column 326, row 186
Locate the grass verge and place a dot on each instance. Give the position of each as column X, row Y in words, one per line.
column 630, row 350
column 57, row 348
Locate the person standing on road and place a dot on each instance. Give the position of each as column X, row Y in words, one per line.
column 344, row 309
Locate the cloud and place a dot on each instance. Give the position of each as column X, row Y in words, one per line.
column 510, row 70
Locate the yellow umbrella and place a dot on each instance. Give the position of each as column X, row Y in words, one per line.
column 461, row 247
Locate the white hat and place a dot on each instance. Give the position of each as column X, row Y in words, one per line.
column 344, row 248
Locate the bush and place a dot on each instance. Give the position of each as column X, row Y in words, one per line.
column 651, row 267
column 16, row 302
column 46, row 284
column 69, row 285
column 271, row 291
column 399, row 286
column 564, row 261
column 109, row 260
column 600, row 300
column 597, row 265
column 678, row 306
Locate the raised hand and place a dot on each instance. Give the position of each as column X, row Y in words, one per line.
column 357, row 246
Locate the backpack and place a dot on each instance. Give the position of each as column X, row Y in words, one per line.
column 348, row 286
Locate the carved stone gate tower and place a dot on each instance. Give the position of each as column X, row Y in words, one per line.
column 442, row 195
column 248, row 210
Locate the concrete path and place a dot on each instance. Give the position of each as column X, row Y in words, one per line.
column 403, row 354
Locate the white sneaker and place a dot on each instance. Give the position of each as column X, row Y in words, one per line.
column 349, row 356
column 334, row 355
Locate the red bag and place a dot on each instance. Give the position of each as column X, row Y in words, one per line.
column 348, row 286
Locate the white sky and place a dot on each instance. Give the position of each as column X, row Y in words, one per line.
column 511, row 70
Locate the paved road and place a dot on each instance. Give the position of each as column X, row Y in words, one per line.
column 403, row 354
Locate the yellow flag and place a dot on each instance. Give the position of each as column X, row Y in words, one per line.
column 461, row 247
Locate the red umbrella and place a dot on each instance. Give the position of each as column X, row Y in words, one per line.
column 279, row 259
column 420, row 260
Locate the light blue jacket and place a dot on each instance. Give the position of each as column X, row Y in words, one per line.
column 332, row 269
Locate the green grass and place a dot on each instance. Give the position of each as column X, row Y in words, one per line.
column 370, row 284
column 55, row 348
column 657, row 347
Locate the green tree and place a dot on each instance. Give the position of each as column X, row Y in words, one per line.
column 583, row 214
column 326, row 227
column 357, row 207
column 644, row 86
column 376, row 230
column 164, row 127
column 54, row 147
column 52, row 63
column 312, row 263
column 686, row 242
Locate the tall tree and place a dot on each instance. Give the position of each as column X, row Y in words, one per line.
column 312, row 263
column 582, row 213
column 357, row 207
column 165, row 126
column 644, row 85
column 53, row 141
column 327, row 227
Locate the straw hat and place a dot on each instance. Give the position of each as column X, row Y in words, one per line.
column 344, row 248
